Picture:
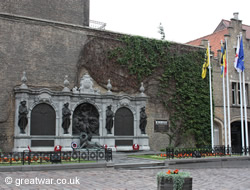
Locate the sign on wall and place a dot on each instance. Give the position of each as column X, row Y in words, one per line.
column 161, row 126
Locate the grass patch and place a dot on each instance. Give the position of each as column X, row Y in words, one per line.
column 148, row 156
column 159, row 157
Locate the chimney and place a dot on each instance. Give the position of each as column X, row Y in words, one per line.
column 236, row 16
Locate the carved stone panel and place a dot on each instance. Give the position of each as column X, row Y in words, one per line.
column 124, row 122
column 86, row 119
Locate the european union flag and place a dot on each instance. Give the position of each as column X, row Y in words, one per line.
column 240, row 63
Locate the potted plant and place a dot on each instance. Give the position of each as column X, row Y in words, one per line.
column 174, row 180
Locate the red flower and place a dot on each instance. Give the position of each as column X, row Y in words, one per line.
column 169, row 172
column 176, row 171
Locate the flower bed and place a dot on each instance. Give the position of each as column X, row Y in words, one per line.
column 174, row 180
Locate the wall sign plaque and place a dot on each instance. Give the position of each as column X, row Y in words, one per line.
column 161, row 126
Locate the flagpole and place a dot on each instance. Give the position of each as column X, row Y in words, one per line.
column 245, row 105
column 239, row 66
column 241, row 114
column 224, row 99
column 211, row 100
column 245, row 109
column 228, row 102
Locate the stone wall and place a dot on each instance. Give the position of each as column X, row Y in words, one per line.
column 68, row 11
column 47, row 53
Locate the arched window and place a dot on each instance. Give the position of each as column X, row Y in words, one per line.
column 43, row 120
column 217, row 134
column 124, row 122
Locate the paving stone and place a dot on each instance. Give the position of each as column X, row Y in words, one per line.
column 126, row 178
column 108, row 179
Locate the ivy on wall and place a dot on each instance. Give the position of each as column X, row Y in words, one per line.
column 181, row 89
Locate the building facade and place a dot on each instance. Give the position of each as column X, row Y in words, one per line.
column 224, row 133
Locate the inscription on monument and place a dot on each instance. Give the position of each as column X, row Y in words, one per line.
column 161, row 126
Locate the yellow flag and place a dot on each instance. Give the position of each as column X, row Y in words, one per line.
column 205, row 65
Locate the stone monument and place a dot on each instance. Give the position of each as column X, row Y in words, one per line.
column 81, row 114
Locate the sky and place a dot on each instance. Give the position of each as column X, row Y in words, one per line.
column 182, row 20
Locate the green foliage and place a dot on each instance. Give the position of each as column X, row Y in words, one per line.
column 178, row 179
column 181, row 89
column 189, row 102
column 140, row 55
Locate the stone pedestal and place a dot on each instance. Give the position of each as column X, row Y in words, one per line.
column 167, row 184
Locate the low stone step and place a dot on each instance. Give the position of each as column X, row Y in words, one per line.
column 139, row 165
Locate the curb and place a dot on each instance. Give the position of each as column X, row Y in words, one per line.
column 220, row 162
column 51, row 167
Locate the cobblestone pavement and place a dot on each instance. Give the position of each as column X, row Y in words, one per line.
column 111, row 179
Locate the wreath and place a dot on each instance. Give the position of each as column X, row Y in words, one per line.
column 136, row 147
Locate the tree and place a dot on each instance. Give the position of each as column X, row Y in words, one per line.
column 161, row 31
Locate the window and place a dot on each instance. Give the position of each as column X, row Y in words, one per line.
column 246, row 91
column 236, row 98
column 233, row 93
column 239, row 97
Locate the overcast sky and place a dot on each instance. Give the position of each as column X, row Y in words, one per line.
column 183, row 20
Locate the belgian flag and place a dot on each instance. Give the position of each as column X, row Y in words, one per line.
column 223, row 60
column 206, row 64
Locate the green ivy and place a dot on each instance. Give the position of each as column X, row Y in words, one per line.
column 181, row 89
column 140, row 55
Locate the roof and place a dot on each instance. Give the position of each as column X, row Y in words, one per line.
column 223, row 24
column 227, row 23
column 214, row 40
column 218, row 35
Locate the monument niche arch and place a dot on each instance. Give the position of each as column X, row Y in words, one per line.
column 124, row 122
column 43, row 120
column 85, row 119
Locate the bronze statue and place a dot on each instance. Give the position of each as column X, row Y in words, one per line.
column 86, row 124
column 22, row 118
column 109, row 119
column 66, row 118
column 85, row 141
column 86, row 119
column 143, row 120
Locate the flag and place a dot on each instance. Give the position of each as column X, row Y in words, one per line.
column 240, row 63
column 223, row 59
column 239, row 56
column 237, row 53
column 206, row 64
column 29, row 148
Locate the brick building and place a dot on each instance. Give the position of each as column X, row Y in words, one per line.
column 230, row 30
